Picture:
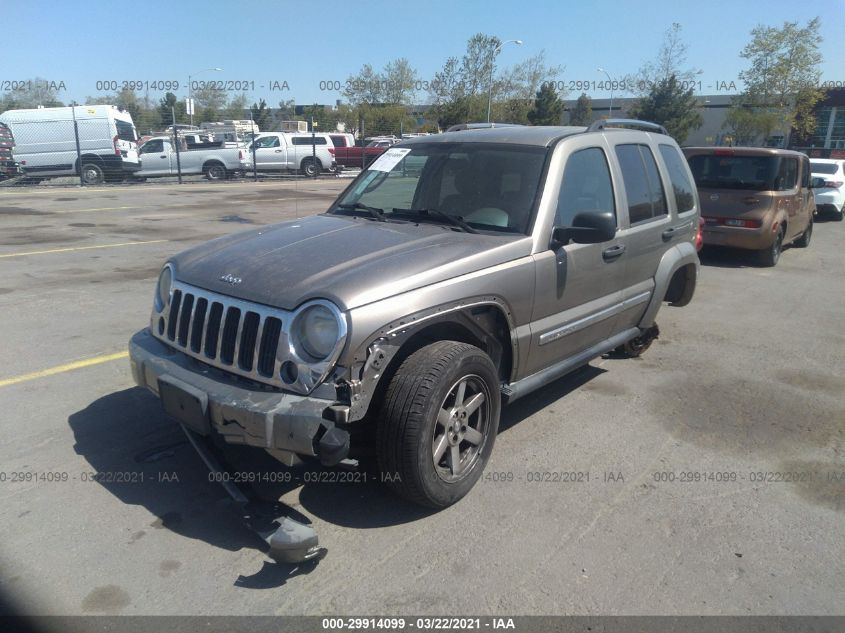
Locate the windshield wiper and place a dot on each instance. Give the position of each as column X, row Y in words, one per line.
column 374, row 212
column 432, row 214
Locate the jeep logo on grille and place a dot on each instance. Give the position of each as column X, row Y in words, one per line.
column 231, row 279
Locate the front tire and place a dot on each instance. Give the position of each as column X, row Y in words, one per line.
column 438, row 423
column 92, row 174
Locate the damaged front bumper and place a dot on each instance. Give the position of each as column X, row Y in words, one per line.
column 206, row 399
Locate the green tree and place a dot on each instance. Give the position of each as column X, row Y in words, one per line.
column 668, row 104
column 209, row 103
column 168, row 103
column 260, row 113
column 31, row 94
column 515, row 89
column 671, row 60
column 781, row 79
column 582, row 113
column 747, row 124
column 548, row 108
column 395, row 85
column 235, row 108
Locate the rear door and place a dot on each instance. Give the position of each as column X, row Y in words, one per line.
column 648, row 228
column 789, row 196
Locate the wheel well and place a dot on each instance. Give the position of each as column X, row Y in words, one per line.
column 485, row 327
column 211, row 163
column 681, row 286
column 87, row 158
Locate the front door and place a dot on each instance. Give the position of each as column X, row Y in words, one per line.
column 270, row 153
column 577, row 285
column 155, row 157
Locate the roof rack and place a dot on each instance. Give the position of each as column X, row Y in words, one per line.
column 646, row 126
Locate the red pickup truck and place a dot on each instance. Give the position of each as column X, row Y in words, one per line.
column 347, row 154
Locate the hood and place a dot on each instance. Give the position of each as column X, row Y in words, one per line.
column 350, row 261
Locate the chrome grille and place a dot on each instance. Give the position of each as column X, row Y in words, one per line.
column 224, row 332
column 241, row 337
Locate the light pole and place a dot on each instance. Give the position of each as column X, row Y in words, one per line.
column 610, row 109
column 191, row 92
column 492, row 60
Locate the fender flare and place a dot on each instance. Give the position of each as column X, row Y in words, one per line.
column 674, row 259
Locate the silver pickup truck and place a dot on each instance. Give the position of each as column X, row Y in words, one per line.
column 158, row 158
column 459, row 272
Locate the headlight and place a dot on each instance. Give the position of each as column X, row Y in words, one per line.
column 165, row 280
column 315, row 332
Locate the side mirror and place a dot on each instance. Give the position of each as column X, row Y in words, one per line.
column 817, row 182
column 588, row 227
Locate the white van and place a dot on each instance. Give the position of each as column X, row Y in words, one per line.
column 46, row 142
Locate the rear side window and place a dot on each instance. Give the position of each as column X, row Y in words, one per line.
column 788, row 175
column 339, row 141
column 586, row 186
column 307, row 140
column 646, row 198
column 681, row 186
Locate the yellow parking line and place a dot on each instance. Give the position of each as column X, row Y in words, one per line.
column 81, row 248
column 63, row 368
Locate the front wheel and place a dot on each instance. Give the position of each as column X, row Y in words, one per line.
column 438, row 423
column 92, row 174
column 770, row 256
column 215, row 171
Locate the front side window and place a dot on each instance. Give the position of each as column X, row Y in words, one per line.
column 586, row 186
column 266, row 141
column 646, row 198
column 152, row 147
column 488, row 186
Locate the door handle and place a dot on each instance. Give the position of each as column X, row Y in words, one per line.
column 163, row 156
column 609, row 254
column 278, row 151
column 669, row 233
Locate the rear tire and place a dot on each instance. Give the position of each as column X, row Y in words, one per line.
column 638, row 345
column 92, row 174
column 310, row 167
column 769, row 257
column 215, row 171
column 438, row 423
column 806, row 236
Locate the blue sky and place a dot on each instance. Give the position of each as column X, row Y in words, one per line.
column 266, row 42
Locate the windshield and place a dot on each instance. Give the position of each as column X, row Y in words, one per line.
column 823, row 168
column 488, row 186
column 713, row 171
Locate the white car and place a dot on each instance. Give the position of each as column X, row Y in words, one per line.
column 830, row 198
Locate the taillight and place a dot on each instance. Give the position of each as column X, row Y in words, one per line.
column 699, row 237
column 331, row 151
column 724, row 152
column 116, row 141
column 833, row 184
column 240, row 154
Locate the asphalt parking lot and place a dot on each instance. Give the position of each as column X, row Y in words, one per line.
column 712, row 469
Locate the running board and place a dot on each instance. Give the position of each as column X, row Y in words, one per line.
column 530, row 383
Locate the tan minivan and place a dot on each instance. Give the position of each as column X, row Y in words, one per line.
column 755, row 198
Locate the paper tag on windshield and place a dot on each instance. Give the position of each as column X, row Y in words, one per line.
column 389, row 159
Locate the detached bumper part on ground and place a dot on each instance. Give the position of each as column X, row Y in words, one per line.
column 206, row 399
